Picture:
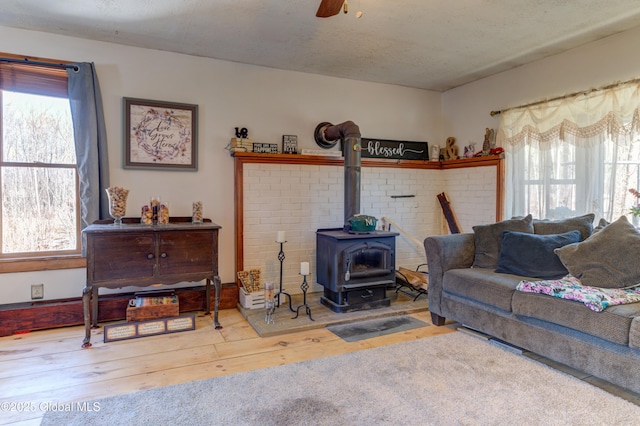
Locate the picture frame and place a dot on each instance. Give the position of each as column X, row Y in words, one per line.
column 160, row 135
column 289, row 144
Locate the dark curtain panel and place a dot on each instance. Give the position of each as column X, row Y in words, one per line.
column 91, row 142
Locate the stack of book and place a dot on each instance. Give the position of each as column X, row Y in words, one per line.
column 240, row 145
column 153, row 305
column 155, row 300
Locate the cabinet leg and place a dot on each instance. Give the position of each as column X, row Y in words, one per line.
column 94, row 297
column 86, row 296
column 207, row 297
column 216, row 303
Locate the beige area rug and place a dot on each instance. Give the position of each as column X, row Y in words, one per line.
column 283, row 321
column 450, row 379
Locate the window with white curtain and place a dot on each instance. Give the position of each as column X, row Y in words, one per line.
column 575, row 155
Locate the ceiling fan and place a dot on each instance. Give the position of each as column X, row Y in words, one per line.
column 332, row 7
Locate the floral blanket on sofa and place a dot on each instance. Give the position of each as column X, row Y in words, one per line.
column 570, row 287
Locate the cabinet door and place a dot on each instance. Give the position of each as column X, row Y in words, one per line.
column 185, row 252
column 122, row 256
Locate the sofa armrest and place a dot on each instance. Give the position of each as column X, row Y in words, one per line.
column 445, row 252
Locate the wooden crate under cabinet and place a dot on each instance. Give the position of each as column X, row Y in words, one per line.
column 144, row 313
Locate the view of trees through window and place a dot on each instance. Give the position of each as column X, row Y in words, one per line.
column 38, row 176
column 556, row 181
column 622, row 172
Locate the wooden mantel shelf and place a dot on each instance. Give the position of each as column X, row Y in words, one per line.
column 252, row 157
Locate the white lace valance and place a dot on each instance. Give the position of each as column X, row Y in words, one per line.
column 580, row 119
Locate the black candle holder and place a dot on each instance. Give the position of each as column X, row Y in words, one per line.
column 304, row 286
column 280, row 291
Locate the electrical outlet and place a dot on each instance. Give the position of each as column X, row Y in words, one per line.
column 37, row 291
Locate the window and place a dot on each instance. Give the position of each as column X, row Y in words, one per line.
column 38, row 173
column 574, row 155
column 549, row 183
column 558, row 182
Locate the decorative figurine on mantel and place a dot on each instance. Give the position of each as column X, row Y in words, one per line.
column 488, row 144
column 451, row 150
column 469, row 150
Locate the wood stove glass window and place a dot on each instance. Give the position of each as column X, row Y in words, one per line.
column 368, row 261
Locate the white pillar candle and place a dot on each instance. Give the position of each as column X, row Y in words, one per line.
column 280, row 237
column 304, row 268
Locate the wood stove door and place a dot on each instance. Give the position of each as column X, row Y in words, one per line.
column 366, row 260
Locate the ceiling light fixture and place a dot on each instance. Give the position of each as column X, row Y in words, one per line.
column 329, row 8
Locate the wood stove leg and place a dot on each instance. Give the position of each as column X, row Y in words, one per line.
column 437, row 319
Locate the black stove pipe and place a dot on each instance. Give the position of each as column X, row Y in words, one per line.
column 349, row 133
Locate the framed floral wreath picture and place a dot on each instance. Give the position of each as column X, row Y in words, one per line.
column 160, row 135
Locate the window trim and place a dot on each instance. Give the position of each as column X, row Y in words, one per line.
column 48, row 263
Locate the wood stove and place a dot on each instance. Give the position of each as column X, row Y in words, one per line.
column 355, row 268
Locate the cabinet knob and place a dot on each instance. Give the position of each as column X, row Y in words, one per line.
column 163, row 255
column 150, row 256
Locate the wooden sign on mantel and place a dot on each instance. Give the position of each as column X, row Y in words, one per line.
column 401, row 150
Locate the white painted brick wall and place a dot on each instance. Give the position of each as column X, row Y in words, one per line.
column 299, row 199
column 472, row 193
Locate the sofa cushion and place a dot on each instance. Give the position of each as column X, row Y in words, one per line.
column 602, row 223
column 488, row 239
column 532, row 255
column 608, row 258
column 584, row 224
column 612, row 324
column 483, row 285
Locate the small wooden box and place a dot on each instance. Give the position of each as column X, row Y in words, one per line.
column 143, row 313
column 253, row 300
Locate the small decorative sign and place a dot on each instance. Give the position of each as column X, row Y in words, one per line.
column 265, row 148
column 401, row 150
column 132, row 330
column 289, row 144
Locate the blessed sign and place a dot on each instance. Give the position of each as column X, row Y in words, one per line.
column 401, row 150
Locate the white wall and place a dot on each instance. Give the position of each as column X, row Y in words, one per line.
column 465, row 110
column 472, row 193
column 268, row 102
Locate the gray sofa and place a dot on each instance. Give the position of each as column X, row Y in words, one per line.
column 465, row 287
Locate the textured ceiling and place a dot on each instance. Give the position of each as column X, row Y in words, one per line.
column 428, row 44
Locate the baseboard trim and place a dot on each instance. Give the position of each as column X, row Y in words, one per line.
column 24, row 317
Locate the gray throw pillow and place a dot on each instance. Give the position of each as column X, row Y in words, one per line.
column 609, row 258
column 601, row 225
column 584, row 224
column 488, row 239
column 531, row 255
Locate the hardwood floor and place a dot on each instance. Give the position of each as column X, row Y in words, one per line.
column 42, row 368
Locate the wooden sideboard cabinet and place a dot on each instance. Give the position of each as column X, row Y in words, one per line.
column 139, row 255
